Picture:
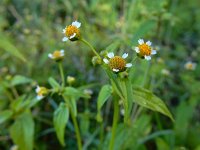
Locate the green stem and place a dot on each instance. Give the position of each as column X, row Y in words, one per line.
column 139, row 110
column 61, row 73
column 14, row 91
column 114, row 125
column 88, row 44
column 101, row 135
column 78, row 135
column 146, row 74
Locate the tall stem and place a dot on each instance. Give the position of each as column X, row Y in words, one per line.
column 78, row 135
column 61, row 73
column 88, row 44
column 114, row 125
column 146, row 74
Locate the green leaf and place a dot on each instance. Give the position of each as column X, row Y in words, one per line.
column 74, row 93
column 9, row 47
column 20, row 104
column 147, row 99
column 161, row 144
column 60, row 119
column 71, row 102
column 18, row 79
column 53, row 83
column 22, row 131
column 103, row 96
column 5, row 115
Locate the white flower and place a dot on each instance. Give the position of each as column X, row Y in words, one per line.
column 190, row 65
column 57, row 55
column 72, row 32
column 117, row 63
column 144, row 49
column 165, row 72
column 41, row 92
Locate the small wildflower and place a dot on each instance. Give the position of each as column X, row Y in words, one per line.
column 57, row 55
column 72, row 32
column 70, row 80
column 165, row 72
column 117, row 63
column 88, row 91
column 145, row 50
column 41, row 92
column 190, row 65
column 14, row 147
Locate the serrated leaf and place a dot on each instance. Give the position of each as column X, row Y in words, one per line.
column 53, row 83
column 5, row 115
column 60, row 119
column 22, row 131
column 103, row 96
column 147, row 99
column 19, row 79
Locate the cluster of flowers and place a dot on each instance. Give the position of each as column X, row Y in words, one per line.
column 116, row 63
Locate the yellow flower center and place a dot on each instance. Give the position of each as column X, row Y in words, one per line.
column 57, row 54
column 189, row 66
column 145, row 50
column 117, row 62
column 42, row 91
column 70, row 30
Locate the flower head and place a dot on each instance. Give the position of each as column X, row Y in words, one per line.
column 117, row 63
column 57, row 55
column 70, row 79
column 41, row 92
column 72, row 32
column 145, row 50
column 165, row 72
column 190, row 65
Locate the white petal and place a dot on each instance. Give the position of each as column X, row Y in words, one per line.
column 50, row 55
column 72, row 36
column 125, row 55
column 128, row 65
column 153, row 52
column 76, row 24
column 148, row 43
column 39, row 97
column 106, row 60
column 137, row 49
column 147, row 57
column 110, row 55
column 62, row 52
column 64, row 39
column 37, row 89
column 64, row 30
column 141, row 41
column 116, row 70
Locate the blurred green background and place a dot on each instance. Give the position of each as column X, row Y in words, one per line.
column 29, row 30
